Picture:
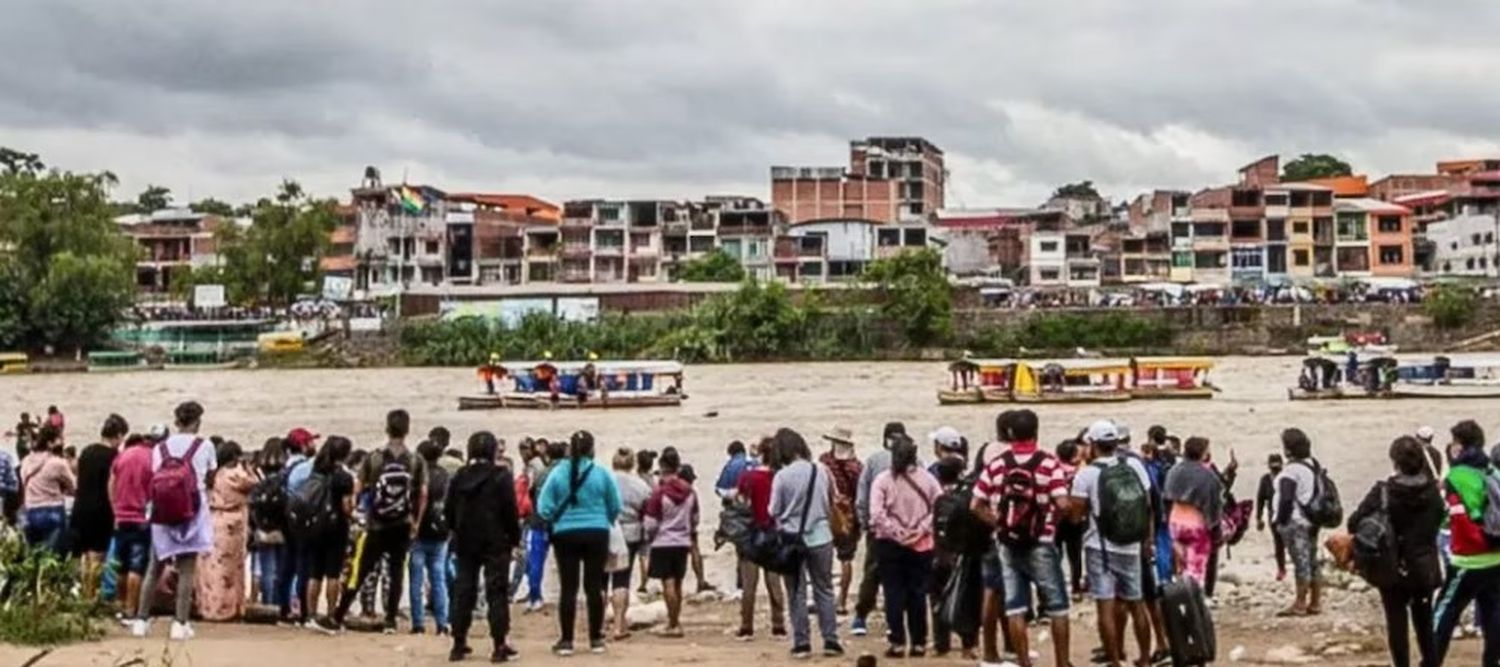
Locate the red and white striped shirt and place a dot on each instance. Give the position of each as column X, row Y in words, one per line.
column 1051, row 481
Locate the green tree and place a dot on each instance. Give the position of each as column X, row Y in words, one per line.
column 211, row 206
column 715, row 267
column 18, row 161
column 153, row 198
column 276, row 258
column 915, row 291
column 69, row 271
column 1450, row 306
column 1309, row 166
column 1079, row 190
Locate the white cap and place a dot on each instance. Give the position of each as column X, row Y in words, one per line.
column 947, row 437
column 1103, row 430
column 158, row 432
column 1425, row 434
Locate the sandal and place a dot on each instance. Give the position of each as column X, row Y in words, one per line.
column 620, row 636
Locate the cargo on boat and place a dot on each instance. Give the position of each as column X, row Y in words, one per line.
column 1376, row 376
column 567, row 385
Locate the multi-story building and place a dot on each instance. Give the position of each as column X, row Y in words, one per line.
column 613, row 241
column 170, row 241
column 913, row 163
column 985, row 241
column 805, row 194
column 487, row 236
column 746, row 230
column 401, row 235
column 1453, row 212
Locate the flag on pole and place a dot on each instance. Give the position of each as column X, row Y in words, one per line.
column 411, row 201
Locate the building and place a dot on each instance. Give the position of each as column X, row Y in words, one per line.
column 985, row 241
column 913, row 163
column 1452, row 213
column 401, row 235
column 613, row 241
column 487, row 235
column 171, row 242
column 745, row 228
column 805, row 194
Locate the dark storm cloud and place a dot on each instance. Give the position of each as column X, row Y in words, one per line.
column 674, row 97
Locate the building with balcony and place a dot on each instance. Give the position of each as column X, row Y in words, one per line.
column 170, row 242
column 614, row 241
column 804, row 194
column 487, row 236
column 985, row 241
column 401, row 235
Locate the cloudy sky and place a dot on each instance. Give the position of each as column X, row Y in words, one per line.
column 681, row 98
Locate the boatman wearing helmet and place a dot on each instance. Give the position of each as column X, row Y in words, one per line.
column 490, row 372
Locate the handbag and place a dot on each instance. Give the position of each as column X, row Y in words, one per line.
column 962, row 597
column 782, row 552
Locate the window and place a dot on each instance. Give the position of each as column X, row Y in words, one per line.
column 431, row 248
column 1352, row 227
column 1247, row 258
column 1352, row 259
column 1276, row 259
column 1049, row 246
column 609, row 213
column 1049, row 274
column 1447, row 267
column 1300, row 258
column 916, row 237
column 913, row 190
column 1453, row 245
column 1475, row 238
column 916, row 209
column 1469, row 263
column 1182, row 260
column 1245, row 229
column 1390, row 224
column 1212, row 229
column 1391, row 254
column 1299, row 228
column 1182, row 230
column 886, row 238
column 1275, row 230
column 1276, row 200
column 1210, row 260
column 1489, row 237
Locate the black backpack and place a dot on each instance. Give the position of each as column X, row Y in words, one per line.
column 434, row 521
column 310, row 507
column 958, row 529
column 391, row 501
column 268, row 500
column 1324, row 510
column 1376, row 549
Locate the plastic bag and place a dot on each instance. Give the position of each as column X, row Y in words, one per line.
column 619, row 552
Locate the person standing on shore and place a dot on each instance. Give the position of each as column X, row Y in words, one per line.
column 633, row 496
column 428, row 559
column 842, row 463
column 46, row 482
column 901, row 501
column 481, row 513
column 800, row 500
column 221, row 574
column 93, row 524
column 324, row 551
column 396, row 479
column 1475, row 573
column 1196, row 494
column 538, row 537
column 755, row 490
column 1414, row 509
column 129, row 484
column 1295, row 488
column 670, row 521
column 580, row 502
column 1263, row 497
column 869, row 583
column 181, row 543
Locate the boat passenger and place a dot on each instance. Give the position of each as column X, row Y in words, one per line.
column 588, row 379
column 490, row 372
column 546, row 375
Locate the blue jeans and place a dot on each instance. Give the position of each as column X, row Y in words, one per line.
column 268, row 559
column 45, row 527
column 1037, row 565
column 518, row 568
column 536, row 562
column 430, row 557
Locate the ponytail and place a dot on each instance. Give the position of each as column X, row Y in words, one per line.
column 580, row 447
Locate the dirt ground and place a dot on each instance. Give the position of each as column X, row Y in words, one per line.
column 1347, row 635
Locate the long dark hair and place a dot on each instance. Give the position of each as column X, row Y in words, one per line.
column 580, row 447
column 791, row 447
column 228, row 453
column 335, row 449
column 272, row 456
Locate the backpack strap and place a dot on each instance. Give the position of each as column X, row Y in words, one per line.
column 812, row 483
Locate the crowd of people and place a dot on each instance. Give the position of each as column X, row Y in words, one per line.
column 974, row 544
column 1165, row 295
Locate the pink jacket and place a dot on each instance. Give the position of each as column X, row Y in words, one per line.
column 901, row 508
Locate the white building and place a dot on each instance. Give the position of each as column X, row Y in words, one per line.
column 1468, row 245
column 1048, row 259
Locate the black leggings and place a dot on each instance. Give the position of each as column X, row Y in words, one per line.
column 585, row 551
column 393, row 543
column 1071, row 537
column 1398, row 604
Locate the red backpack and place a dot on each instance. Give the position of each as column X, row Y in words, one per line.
column 1022, row 515
column 174, row 495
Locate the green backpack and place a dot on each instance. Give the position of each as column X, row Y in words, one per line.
column 1124, row 504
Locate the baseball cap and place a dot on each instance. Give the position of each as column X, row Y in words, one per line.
column 158, row 432
column 301, row 437
column 1425, row 434
column 1103, row 430
column 947, row 438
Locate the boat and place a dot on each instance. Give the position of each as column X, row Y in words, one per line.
column 1385, row 377
column 1171, row 377
column 1072, row 381
column 622, row 384
column 13, row 363
column 978, row 381
column 1363, row 343
column 107, row 361
column 196, row 360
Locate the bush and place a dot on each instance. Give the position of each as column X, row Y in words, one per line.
column 38, row 602
column 1057, row 332
column 915, row 291
column 1450, row 306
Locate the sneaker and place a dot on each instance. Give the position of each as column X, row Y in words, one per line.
column 801, row 652
column 442, row 631
column 1161, row 658
column 596, row 646
column 181, row 632
column 323, row 627
column 139, row 627
column 858, row 628
column 562, row 649
column 287, row 622
column 744, row 635
column 459, row 652
column 833, row 649
column 510, row 652
column 533, row 607
column 389, row 628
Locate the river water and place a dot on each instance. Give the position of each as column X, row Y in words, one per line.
column 730, row 402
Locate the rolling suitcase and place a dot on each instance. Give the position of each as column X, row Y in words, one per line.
column 1190, row 628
